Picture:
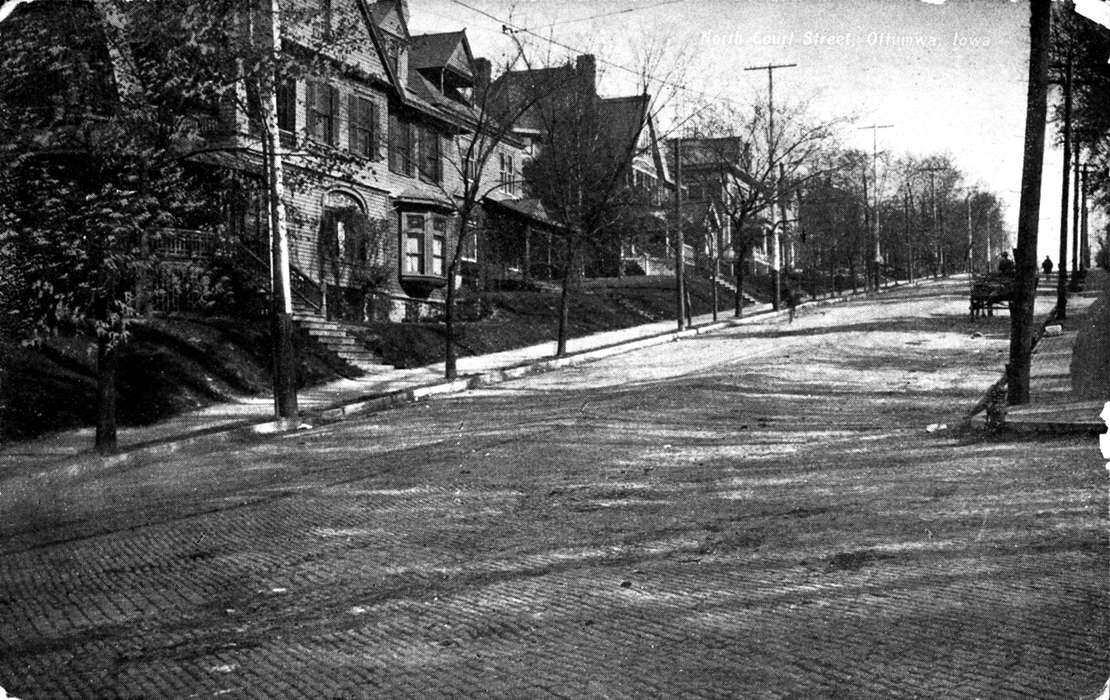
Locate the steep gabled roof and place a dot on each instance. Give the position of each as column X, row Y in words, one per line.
column 387, row 15
column 621, row 120
column 445, row 50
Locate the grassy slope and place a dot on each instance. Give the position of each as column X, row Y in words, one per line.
column 178, row 364
column 168, row 366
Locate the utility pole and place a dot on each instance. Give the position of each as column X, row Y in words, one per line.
column 1062, row 279
column 970, row 239
column 775, row 277
column 1075, row 217
column 1024, row 295
column 878, row 261
column 938, row 231
column 679, row 263
column 909, row 237
column 1084, row 241
column 987, row 262
column 281, row 301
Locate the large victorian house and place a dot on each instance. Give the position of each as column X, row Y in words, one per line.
column 625, row 144
column 370, row 129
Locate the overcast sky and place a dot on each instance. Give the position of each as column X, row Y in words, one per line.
column 949, row 76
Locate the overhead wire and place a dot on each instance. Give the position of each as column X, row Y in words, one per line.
column 508, row 26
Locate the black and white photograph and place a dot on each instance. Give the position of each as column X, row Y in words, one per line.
column 554, row 349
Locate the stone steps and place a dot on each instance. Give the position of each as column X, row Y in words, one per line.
column 334, row 336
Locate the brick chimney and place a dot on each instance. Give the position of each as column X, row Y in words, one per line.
column 482, row 71
column 585, row 71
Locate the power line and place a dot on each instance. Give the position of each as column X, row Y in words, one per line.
column 610, row 14
column 510, row 28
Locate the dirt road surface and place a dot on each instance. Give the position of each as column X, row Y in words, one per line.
column 760, row 512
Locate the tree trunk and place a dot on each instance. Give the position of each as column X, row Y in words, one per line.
column 738, row 273
column 1062, row 267
column 107, row 360
column 564, row 307
column 1024, row 296
column 450, row 360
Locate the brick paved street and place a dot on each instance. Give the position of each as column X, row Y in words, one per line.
column 755, row 513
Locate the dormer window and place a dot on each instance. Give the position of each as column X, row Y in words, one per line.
column 392, row 52
column 325, row 20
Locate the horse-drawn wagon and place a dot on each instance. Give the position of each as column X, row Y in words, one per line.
column 989, row 291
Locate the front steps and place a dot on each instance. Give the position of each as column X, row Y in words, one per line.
column 333, row 336
column 748, row 298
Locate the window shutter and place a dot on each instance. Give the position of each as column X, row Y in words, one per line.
column 394, row 142
column 437, row 166
column 310, row 101
column 333, row 115
column 411, row 156
column 352, row 124
column 375, row 136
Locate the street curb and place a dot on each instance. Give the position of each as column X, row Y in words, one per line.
column 972, row 419
column 86, row 462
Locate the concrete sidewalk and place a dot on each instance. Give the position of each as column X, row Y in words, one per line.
column 1053, row 406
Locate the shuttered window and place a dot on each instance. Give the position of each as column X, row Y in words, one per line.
column 323, row 113
column 401, row 156
column 362, row 121
column 430, row 163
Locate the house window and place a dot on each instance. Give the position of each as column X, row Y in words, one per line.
column 507, row 180
column 414, row 243
column 400, row 146
column 439, row 244
column 323, row 113
column 425, row 243
column 430, row 167
column 287, row 105
column 469, row 250
column 361, row 122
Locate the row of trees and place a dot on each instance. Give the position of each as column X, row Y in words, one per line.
column 835, row 206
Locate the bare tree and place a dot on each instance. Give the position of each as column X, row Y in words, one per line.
column 588, row 150
column 773, row 165
column 490, row 118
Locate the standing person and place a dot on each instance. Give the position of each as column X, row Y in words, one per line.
column 791, row 299
column 1006, row 265
column 1046, row 266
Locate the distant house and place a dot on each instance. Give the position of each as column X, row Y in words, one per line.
column 714, row 175
column 626, row 144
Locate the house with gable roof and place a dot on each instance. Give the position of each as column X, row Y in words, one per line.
column 370, row 131
column 628, row 148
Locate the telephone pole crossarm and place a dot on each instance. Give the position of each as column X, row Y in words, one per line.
column 875, row 188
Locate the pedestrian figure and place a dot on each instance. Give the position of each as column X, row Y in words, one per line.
column 1046, row 266
column 791, row 298
column 838, row 283
column 1005, row 265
